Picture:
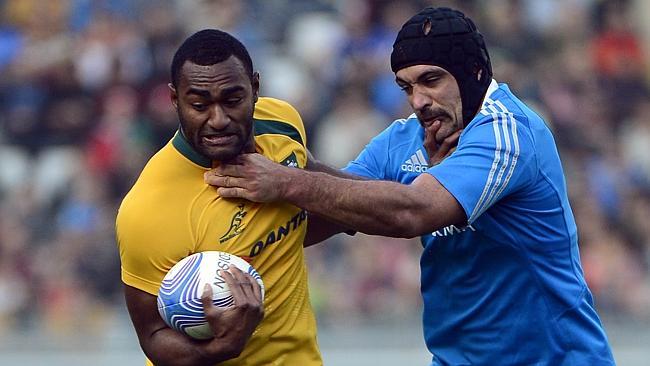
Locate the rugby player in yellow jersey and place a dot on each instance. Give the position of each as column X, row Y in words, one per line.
column 171, row 213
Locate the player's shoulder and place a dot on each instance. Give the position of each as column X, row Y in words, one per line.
column 400, row 134
column 501, row 105
column 175, row 160
column 268, row 108
column 402, row 130
column 276, row 116
column 404, row 125
column 166, row 172
column 505, row 124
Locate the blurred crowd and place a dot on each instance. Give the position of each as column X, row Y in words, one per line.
column 84, row 103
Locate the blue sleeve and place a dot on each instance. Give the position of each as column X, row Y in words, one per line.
column 494, row 158
column 372, row 161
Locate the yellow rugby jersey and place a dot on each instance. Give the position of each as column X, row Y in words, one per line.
column 171, row 213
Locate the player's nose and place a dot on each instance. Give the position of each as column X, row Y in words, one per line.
column 420, row 100
column 219, row 119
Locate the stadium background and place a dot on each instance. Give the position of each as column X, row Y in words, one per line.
column 84, row 104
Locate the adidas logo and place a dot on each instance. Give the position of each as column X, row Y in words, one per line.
column 416, row 163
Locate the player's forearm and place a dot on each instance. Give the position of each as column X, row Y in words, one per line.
column 317, row 166
column 372, row 207
column 167, row 347
column 320, row 228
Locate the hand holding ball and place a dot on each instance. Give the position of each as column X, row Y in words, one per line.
column 185, row 293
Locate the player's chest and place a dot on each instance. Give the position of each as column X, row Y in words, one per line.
column 409, row 163
column 250, row 229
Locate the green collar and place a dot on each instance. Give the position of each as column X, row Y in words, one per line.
column 183, row 146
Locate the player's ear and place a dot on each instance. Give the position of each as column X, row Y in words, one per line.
column 173, row 95
column 255, row 83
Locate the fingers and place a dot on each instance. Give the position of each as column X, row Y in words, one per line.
column 206, row 297
column 256, row 179
column 246, row 292
column 446, row 148
column 231, row 174
column 430, row 144
column 235, row 283
column 234, row 192
column 228, row 187
column 209, row 309
column 449, row 144
column 236, row 160
column 236, row 166
column 239, row 320
column 244, row 287
column 225, row 181
column 234, row 170
column 253, row 290
column 257, row 289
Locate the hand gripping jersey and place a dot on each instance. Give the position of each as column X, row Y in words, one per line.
column 508, row 288
column 171, row 213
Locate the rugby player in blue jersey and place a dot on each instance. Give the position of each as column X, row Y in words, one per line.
column 502, row 282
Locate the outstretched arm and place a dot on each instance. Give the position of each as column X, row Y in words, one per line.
column 315, row 165
column 320, row 228
column 372, row 207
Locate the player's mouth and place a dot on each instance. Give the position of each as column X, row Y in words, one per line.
column 218, row 139
column 428, row 121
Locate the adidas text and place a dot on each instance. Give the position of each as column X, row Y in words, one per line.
column 414, row 168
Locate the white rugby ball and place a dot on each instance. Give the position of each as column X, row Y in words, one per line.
column 179, row 296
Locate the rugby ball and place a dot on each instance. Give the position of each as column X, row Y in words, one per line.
column 179, row 296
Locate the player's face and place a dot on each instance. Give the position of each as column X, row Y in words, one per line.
column 215, row 105
column 434, row 95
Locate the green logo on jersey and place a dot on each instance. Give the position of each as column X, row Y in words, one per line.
column 291, row 161
column 236, row 227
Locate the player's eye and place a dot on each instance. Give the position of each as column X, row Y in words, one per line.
column 231, row 102
column 431, row 80
column 406, row 88
column 200, row 107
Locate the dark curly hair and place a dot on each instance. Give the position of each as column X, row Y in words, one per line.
column 209, row 47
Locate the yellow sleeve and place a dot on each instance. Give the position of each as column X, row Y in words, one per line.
column 293, row 117
column 150, row 242
column 279, row 110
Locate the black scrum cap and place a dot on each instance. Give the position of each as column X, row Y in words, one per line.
column 446, row 38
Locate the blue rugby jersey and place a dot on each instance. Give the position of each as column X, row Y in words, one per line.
column 507, row 289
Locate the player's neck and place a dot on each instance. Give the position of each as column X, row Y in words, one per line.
column 249, row 147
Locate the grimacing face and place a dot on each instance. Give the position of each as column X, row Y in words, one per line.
column 433, row 94
column 215, row 105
